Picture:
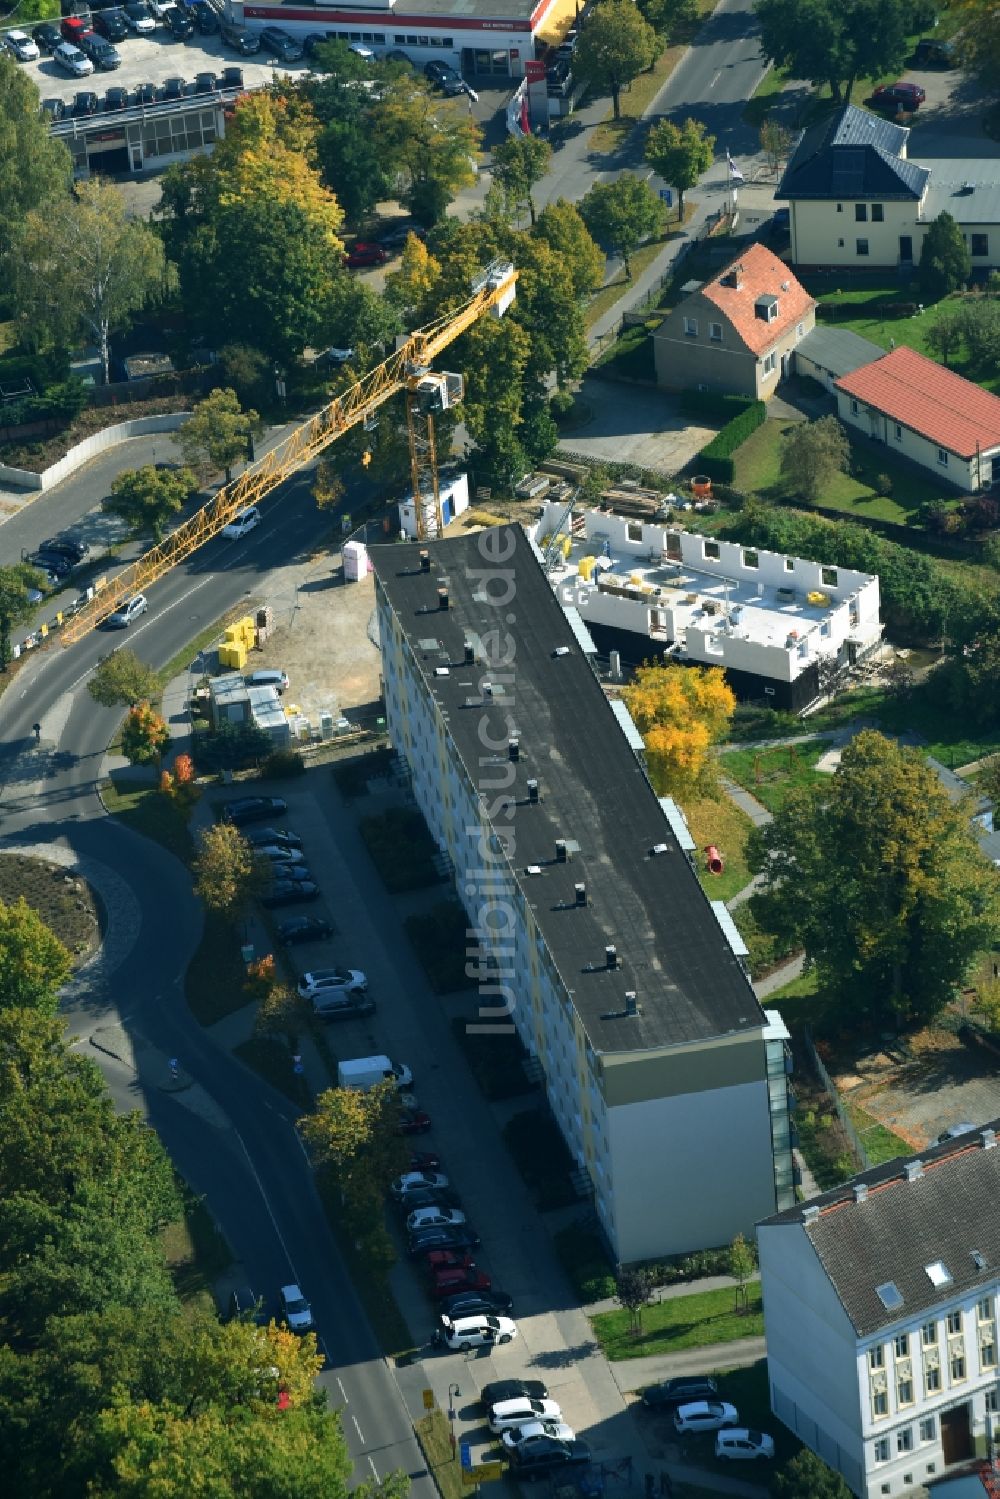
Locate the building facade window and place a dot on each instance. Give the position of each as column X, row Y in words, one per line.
column 633, row 530
column 993, row 1400
column 901, row 1343
column 710, row 550
column 956, row 1360
column 769, row 363
column 928, row 1429
column 877, row 213
column 691, row 327
column 942, row 457
column 861, row 246
column 855, row 409
column 715, row 332
column 876, row 1357
column 899, row 433
column 861, row 213
column 904, row 1439
column 932, row 1371
column 980, row 244
column 882, row 1450
column 928, row 1334
column 750, row 559
column 954, row 1322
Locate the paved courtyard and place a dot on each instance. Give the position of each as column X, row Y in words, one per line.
column 940, row 1084
column 634, row 424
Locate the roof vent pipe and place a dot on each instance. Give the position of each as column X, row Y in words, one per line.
column 989, row 1139
column 469, row 654
column 487, row 689
column 533, row 792
column 913, row 1170
column 443, row 600
column 580, row 891
column 611, row 956
column 631, row 1003
column 861, row 1192
column 514, row 749
column 425, row 561
column 561, row 851
column 810, row 1214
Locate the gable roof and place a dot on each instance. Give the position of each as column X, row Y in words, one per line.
column 762, row 274
column 838, row 350
column 968, row 190
column 852, row 154
column 929, row 399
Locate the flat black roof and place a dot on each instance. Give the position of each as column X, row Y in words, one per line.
column 593, row 793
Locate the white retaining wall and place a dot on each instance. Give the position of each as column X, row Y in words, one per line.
column 108, row 437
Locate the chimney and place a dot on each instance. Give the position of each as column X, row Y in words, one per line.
column 425, row 561
column 611, row 956
column 989, row 1139
column 514, row 749
column 469, row 654
column 487, row 690
column 533, row 792
column 442, row 598
column 561, row 853
column 581, row 894
column 631, row 1003
column 913, row 1170
column 861, row 1192
column 810, row 1214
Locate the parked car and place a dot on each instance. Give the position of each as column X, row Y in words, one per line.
column 343, row 1006
column 85, row 103
column 327, row 980
column 898, row 96
column 128, row 611
column 446, row 1284
column 54, row 562
column 248, row 519
column 72, row 60
column 114, row 99
column 260, row 837
column 279, row 853
column 465, row 1302
column 412, row 1181
column 285, row 873
column 71, row 546
column 47, row 36
column 239, row 38
column 205, row 18
column 518, row 1438
column 245, row 1306
column 100, row 52
column 253, row 809
column 314, row 39
column 434, row 1218
column 54, row 108
column 413, row 1122
column 739, row 1444
column 280, row 44
column 424, row 1160
column 449, row 1259
column 144, row 94
column 431, row 1197
column 363, row 253
column 178, row 23
column 231, row 77
column 933, row 54
column 501, row 1390
column 289, row 893
column 112, row 24
column 518, row 1412
column 268, row 676
column 295, row 1309
column 21, row 46
column 172, row 88
column 670, row 1393
column 72, row 28
column 139, row 18
column 476, row 1332
column 394, row 236
column 427, row 1239
column 546, row 1456
column 443, row 76
column 705, row 1415
column 158, row 8
column 303, row 929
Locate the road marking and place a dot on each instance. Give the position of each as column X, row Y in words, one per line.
column 270, row 1211
column 375, row 1471
column 716, row 79
column 340, row 1384
column 357, row 1428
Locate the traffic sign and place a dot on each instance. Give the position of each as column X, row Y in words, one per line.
column 465, row 1450
column 428, row 1400
column 485, row 1473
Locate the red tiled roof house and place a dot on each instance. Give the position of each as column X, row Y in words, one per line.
column 735, row 333
column 928, row 414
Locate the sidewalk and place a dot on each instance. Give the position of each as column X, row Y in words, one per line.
column 668, row 1293
column 635, row 1373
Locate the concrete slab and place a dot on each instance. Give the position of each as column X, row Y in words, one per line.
column 634, row 424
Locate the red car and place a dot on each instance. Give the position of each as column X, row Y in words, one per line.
column 899, row 96
column 424, row 1160
column 449, row 1259
column 414, row 1122
column 450, row 1282
column 365, row 254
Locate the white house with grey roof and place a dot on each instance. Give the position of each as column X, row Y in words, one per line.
column 590, row 935
column 856, row 200
column 880, row 1313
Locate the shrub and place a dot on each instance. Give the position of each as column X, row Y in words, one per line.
column 232, row 746
column 541, row 1156
column 561, row 404
column 283, row 762
column 439, row 940
column 494, row 1059
column 713, row 403
column 401, row 848
column 585, row 1259
column 715, row 459
column 352, row 776
column 883, row 484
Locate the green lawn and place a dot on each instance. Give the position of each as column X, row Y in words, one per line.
column 601, row 301
column 214, row 984
column 272, row 1061
column 146, row 810
column 765, row 96
column 681, row 1322
column 631, row 355
column 195, row 1250
column 432, row 1432
column 717, row 819
column 771, row 775
column 880, row 1144
column 757, row 471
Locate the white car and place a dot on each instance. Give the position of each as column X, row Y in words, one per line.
column 295, row 1309
column 278, row 854
column 127, row 612
column 434, row 1218
column 242, row 524
column 324, row 980
column 158, row 8
column 139, row 18
column 738, row 1443
column 414, row 1181
column 21, row 45
column 510, row 1413
column 477, row 1332
column 72, row 60
column 520, row 1437
column 705, row 1415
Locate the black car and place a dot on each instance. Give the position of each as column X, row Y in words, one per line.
column 172, row 88
column 239, row 38
column 413, row 1122
column 429, row 1197
column 115, row 98
column 144, row 93
column 344, row 1006
column 73, row 548
column 205, row 83
column 100, row 52
column 252, row 808
column 47, row 36
column 205, row 18
column 111, row 24
column 289, row 893
column 244, row 1306
column 394, row 236
column 280, row 44
column 231, row 77
column 316, row 39
column 546, row 1455
column 54, row 108
column 444, row 77
column 512, row 1389
column 673, row 1392
column 261, row 837
column 84, row 103
column 423, row 1240
column 303, row 929
column 178, row 23
column 471, row 1303
column 929, row 54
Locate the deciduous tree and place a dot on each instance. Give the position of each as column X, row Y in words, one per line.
column 328, row 487
column 633, row 1289
column 34, row 165
column 836, row 41
column 812, row 453
column 430, row 146
column 945, row 264
column 879, row 875
column 669, row 17
column 945, row 334
column 621, row 214
column 34, row 964
column 563, row 229
column 808, row 1477
column 680, row 712
column 227, row 872
column 518, row 163
column 216, row 435
column 776, row 142
column 680, row 154
column 145, row 735
column 615, row 46
column 122, row 678
column 16, row 607
column 146, row 498
column 83, row 263
column 742, row 1264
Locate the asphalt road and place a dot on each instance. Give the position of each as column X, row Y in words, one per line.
column 228, row 1133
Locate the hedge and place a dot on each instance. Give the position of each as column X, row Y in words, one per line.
column 713, row 403
column 715, row 458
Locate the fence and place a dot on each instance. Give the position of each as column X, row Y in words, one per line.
column 853, row 1138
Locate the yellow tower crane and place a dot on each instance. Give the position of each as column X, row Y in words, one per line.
column 408, row 369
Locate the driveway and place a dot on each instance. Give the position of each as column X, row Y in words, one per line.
column 634, row 424
column 949, row 122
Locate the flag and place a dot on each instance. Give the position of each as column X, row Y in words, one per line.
column 735, row 175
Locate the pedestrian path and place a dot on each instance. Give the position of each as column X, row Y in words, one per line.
column 635, row 1373
column 670, row 1293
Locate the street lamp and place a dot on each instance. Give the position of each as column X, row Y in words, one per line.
column 454, row 1393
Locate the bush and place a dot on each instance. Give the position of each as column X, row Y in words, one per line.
column 439, row 941
column 352, row 776
column 541, row 1155
column 585, row 1259
column 715, row 459
column 494, row 1059
column 402, row 849
column 283, row 762
column 59, row 403
column 232, row 746
column 713, row 403
column 561, row 404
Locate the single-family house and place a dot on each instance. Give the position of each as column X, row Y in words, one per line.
column 856, row 200
column 926, row 413
column 737, row 332
column 880, row 1314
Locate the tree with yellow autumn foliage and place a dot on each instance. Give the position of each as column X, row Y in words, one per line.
column 680, row 711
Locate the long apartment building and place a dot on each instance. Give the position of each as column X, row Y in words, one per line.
column 601, row 949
